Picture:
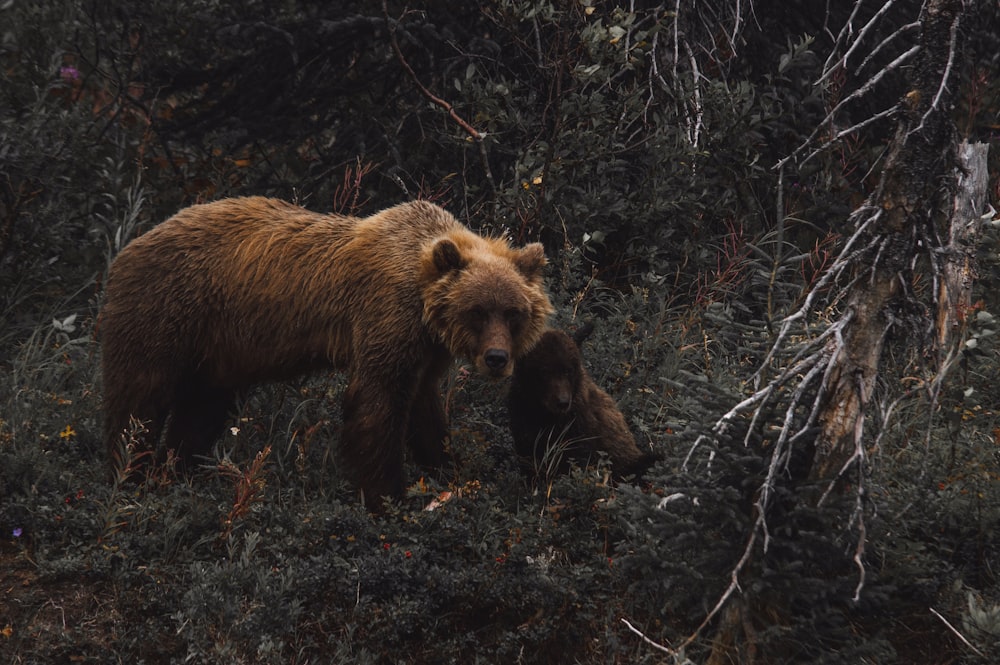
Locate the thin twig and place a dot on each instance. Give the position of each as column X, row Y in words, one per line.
column 655, row 645
column 694, row 134
column 844, row 31
column 469, row 129
column 859, row 551
column 850, row 130
column 955, row 630
column 778, row 452
column 885, row 42
column 737, row 20
column 734, row 583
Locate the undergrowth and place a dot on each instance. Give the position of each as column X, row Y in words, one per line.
column 264, row 553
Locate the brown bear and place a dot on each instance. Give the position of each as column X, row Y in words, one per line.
column 229, row 294
column 558, row 412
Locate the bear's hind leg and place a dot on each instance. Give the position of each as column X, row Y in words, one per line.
column 198, row 417
column 135, row 408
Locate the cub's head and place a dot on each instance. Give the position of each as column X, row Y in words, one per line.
column 484, row 300
column 551, row 372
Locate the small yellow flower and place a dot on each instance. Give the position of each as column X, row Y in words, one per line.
column 7, row 631
column 67, row 433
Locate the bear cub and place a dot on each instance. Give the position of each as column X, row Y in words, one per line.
column 553, row 402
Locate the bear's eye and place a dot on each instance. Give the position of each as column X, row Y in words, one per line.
column 515, row 318
column 476, row 317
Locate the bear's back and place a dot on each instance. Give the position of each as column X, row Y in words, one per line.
column 227, row 275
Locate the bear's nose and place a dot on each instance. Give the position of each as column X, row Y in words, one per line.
column 563, row 402
column 496, row 359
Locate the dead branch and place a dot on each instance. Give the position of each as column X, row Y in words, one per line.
column 434, row 99
column 474, row 135
column 949, row 66
column 648, row 641
column 841, row 62
column 955, row 630
column 865, row 88
column 845, row 30
column 885, row 42
column 892, row 110
column 686, row 45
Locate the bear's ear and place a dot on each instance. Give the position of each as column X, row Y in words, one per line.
column 530, row 260
column 447, row 256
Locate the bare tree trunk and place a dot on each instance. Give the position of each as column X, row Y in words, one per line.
column 908, row 207
column 852, row 377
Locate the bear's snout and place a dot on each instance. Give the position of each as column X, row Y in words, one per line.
column 558, row 399
column 563, row 402
column 496, row 359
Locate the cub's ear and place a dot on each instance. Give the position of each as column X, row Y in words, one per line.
column 447, row 257
column 530, row 260
column 583, row 332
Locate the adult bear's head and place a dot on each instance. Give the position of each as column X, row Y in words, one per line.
column 483, row 299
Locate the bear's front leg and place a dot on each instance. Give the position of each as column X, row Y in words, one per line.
column 427, row 428
column 372, row 440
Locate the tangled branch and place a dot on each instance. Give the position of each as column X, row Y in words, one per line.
column 821, row 376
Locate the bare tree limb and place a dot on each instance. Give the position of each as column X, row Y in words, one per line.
column 469, row 129
column 892, row 110
column 842, row 61
column 434, row 99
column 885, row 42
column 845, row 30
column 952, row 50
column 867, row 87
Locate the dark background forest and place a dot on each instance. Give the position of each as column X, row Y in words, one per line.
column 700, row 175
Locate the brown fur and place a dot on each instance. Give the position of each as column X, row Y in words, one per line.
column 229, row 294
column 554, row 401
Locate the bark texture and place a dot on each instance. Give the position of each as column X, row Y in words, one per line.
column 959, row 269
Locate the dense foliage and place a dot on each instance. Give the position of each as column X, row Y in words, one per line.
column 639, row 143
